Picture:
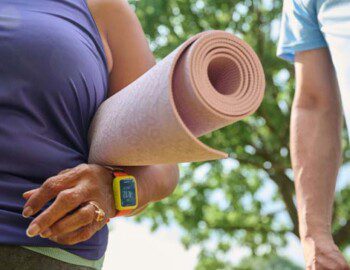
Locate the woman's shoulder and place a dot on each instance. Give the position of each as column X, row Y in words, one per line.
column 107, row 12
column 111, row 16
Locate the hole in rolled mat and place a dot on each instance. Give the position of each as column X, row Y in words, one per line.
column 224, row 75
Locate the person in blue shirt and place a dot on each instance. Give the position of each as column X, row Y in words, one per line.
column 315, row 36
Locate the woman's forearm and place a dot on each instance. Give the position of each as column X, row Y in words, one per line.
column 155, row 182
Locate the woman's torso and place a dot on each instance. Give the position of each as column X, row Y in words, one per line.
column 53, row 76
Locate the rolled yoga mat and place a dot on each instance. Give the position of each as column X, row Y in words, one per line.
column 212, row 80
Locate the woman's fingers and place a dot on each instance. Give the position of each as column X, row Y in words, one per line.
column 64, row 171
column 26, row 195
column 79, row 218
column 80, row 235
column 50, row 188
column 37, row 200
column 65, row 202
column 71, row 188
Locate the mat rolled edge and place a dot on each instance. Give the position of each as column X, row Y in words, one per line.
column 132, row 150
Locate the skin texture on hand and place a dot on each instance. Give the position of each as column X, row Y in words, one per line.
column 69, row 220
column 322, row 254
column 67, row 216
column 316, row 124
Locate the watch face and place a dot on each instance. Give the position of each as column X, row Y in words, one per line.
column 128, row 193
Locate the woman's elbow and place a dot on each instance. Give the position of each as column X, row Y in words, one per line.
column 170, row 180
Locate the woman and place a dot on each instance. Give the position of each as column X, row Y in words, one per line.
column 59, row 59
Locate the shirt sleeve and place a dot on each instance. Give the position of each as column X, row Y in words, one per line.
column 299, row 30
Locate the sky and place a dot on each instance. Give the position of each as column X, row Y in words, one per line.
column 132, row 246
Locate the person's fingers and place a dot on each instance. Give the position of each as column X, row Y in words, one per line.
column 44, row 194
column 65, row 202
column 79, row 218
column 26, row 195
column 345, row 266
column 64, row 171
column 331, row 261
column 50, row 188
column 80, row 235
column 338, row 261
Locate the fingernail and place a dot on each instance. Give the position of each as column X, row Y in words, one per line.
column 27, row 212
column 46, row 233
column 33, row 230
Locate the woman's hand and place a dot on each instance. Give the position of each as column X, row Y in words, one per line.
column 69, row 219
column 322, row 254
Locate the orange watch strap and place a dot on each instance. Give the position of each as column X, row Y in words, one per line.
column 123, row 212
column 119, row 173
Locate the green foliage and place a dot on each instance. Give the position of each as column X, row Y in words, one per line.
column 272, row 262
column 269, row 263
column 247, row 200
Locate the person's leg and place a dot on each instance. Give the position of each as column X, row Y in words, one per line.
column 18, row 258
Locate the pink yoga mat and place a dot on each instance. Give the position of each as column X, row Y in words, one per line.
column 212, row 80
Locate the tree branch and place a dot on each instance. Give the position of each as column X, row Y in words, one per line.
column 286, row 189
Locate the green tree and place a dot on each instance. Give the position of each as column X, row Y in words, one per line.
column 248, row 199
column 269, row 263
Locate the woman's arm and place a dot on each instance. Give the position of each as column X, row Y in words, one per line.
column 126, row 47
column 128, row 58
column 156, row 182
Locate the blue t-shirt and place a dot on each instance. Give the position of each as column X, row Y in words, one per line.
column 53, row 77
column 312, row 24
column 300, row 30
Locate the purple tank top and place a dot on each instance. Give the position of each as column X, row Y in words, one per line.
column 53, row 77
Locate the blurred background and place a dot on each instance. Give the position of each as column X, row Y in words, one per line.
column 237, row 213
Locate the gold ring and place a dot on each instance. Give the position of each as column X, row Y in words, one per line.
column 100, row 214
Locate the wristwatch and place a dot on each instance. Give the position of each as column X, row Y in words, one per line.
column 125, row 193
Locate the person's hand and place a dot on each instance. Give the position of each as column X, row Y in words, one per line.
column 69, row 219
column 322, row 254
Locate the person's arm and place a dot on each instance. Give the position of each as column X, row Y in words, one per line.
column 156, row 182
column 125, row 43
column 316, row 124
column 129, row 56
